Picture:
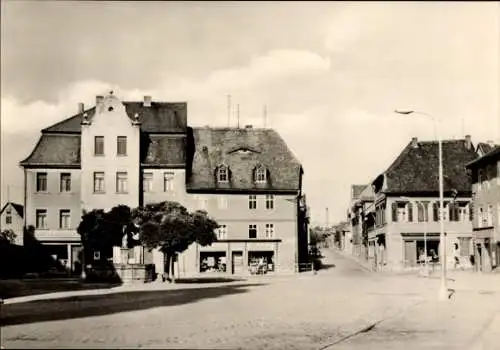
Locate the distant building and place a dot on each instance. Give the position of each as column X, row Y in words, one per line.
column 361, row 200
column 406, row 206
column 485, row 173
column 11, row 218
column 134, row 153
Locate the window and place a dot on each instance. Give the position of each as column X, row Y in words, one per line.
column 222, row 202
column 121, row 145
column 98, row 182
column 480, row 218
column 222, row 174
column 269, row 201
column 221, row 232
column 168, row 181
column 462, row 212
column 252, row 201
column 99, row 145
column 401, row 213
column 260, row 175
column 147, row 182
column 121, row 182
column 41, row 218
column 64, row 219
column 489, row 216
column 446, row 210
column 65, row 183
column 422, row 208
column 41, row 182
column 252, row 231
column 8, row 217
column 269, row 230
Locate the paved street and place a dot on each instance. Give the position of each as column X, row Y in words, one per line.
column 335, row 309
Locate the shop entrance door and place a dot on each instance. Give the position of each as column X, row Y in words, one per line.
column 237, row 262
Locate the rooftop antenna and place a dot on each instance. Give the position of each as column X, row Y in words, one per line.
column 265, row 116
column 326, row 218
column 238, row 114
column 228, row 110
column 463, row 126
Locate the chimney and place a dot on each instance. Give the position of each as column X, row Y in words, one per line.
column 414, row 142
column 147, row 101
column 81, row 108
column 468, row 142
column 98, row 100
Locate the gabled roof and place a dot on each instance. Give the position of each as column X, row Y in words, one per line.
column 160, row 117
column 215, row 146
column 17, row 207
column 63, row 150
column 58, row 150
column 356, row 190
column 483, row 148
column 415, row 170
column 492, row 156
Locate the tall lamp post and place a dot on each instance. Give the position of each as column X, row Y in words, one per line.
column 443, row 290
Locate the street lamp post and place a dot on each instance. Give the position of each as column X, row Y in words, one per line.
column 443, row 290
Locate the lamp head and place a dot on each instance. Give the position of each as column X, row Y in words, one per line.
column 402, row 111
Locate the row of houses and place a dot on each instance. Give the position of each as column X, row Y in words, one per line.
column 135, row 153
column 395, row 219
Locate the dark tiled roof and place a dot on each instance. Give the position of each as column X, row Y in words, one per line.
column 485, row 147
column 55, row 150
column 415, row 170
column 356, row 190
column 64, row 150
column 242, row 150
column 163, row 150
column 17, row 207
column 160, row 117
column 492, row 155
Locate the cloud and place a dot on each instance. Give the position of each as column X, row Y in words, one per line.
column 265, row 69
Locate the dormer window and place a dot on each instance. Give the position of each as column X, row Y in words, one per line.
column 260, row 174
column 223, row 174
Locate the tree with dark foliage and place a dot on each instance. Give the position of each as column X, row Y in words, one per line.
column 170, row 227
column 101, row 231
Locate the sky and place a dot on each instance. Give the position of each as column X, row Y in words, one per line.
column 330, row 73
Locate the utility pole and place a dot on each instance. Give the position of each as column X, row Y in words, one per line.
column 238, row 114
column 265, row 116
column 228, row 110
column 326, row 218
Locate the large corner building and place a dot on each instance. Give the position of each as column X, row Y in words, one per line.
column 134, row 153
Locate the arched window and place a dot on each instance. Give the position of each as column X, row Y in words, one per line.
column 260, row 174
column 222, row 174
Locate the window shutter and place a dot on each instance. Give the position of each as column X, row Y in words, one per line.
column 435, row 207
column 457, row 211
column 410, row 212
column 471, row 211
column 451, row 210
column 394, row 212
